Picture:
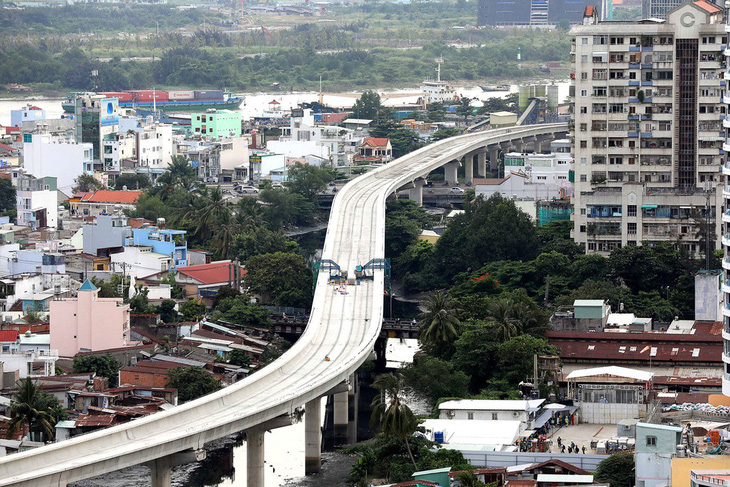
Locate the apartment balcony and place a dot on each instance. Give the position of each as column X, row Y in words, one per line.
column 726, row 287
column 726, row 123
column 726, row 266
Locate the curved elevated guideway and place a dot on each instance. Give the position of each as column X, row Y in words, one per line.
column 343, row 327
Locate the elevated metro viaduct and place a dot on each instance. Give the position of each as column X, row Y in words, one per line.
column 342, row 328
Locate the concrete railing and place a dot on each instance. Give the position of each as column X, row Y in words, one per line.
column 343, row 328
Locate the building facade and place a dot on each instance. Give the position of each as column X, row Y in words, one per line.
column 217, row 124
column 36, row 202
column 726, row 248
column 647, row 129
column 657, row 9
column 88, row 322
column 65, row 159
column 656, row 444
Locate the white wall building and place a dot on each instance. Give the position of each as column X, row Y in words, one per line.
column 491, row 410
column 29, row 113
column 61, row 157
column 141, row 261
column 647, row 128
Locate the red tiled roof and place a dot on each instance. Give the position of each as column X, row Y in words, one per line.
column 94, row 420
column 8, row 335
column 108, row 196
column 213, row 273
column 521, row 483
column 489, row 181
column 375, row 141
column 707, row 7
column 200, row 333
column 334, row 117
column 8, row 148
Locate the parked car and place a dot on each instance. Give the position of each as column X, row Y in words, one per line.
column 456, row 190
column 248, row 190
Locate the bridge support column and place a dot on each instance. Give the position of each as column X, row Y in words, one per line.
column 493, row 156
column 341, row 416
column 353, row 399
column 161, row 472
column 161, row 468
column 255, row 457
column 518, row 145
column 313, row 436
column 416, row 193
column 469, row 167
column 450, row 172
column 482, row 164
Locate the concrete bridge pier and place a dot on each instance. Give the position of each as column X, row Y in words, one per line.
column 255, row 449
column 161, row 468
column 518, row 145
column 416, row 193
column 352, row 411
column 341, row 416
column 255, row 457
column 482, row 164
column 469, row 167
column 313, row 436
column 494, row 156
column 450, row 172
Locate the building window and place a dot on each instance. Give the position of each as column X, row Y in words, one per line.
column 631, row 210
column 584, row 41
column 495, row 416
column 583, row 178
column 469, row 415
column 651, row 441
column 631, row 229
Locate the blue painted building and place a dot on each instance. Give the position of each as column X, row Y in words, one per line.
column 164, row 241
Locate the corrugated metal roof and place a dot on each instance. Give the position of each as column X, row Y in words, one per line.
column 611, row 370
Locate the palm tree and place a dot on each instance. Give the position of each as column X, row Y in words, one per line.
column 467, row 478
column 395, row 418
column 31, row 407
column 211, row 215
column 501, row 318
column 439, row 323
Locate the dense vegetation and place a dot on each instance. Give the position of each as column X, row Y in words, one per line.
column 362, row 47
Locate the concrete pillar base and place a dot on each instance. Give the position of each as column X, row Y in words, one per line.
column 341, row 417
column 160, row 472
column 482, row 164
column 469, row 168
column 313, row 436
column 255, row 457
column 416, row 194
column 450, row 172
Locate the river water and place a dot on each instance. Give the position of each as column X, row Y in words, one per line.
column 256, row 103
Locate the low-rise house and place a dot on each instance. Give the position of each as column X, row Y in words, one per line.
column 202, row 280
column 656, row 444
column 108, row 234
column 27, row 360
column 374, row 150
column 88, row 322
column 141, row 260
column 105, row 202
column 526, row 411
column 37, row 202
column 154, row 373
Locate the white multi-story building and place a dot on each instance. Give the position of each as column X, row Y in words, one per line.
column 147, row 145
column 61, row 157
column 303, row 138
column 726, row 244
column 141, row 261
column 647, row 129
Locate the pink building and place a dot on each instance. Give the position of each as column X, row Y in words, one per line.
column 88, row 322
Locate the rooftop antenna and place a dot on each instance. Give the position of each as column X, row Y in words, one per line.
column 438, row 68
column 519, row 58
column 321, row 96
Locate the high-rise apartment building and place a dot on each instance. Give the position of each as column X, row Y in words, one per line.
column 657, row 9
column 648, row 129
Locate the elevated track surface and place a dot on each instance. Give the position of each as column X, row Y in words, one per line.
column 343, row 327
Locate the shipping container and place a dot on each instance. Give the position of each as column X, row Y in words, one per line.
column 181, row 95
column 209, row 95
column 121, row 95
column 149, row 95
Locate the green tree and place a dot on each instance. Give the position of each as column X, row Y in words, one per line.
column 308, row 180
column 132, row 181
column 434, row 378
column 439, row 324
column 261, row 240
column 167, row 311
column 476, row 354
column 140, row 303
column 281, row 279
column 467, row 478
column 180, row 174
column 368, row 106
column 238, row 357
column 617, row 470
column 32, row 408
column 102, row 365
column 286, row 208
column 241, row 311
column 192, row 382
column 464, row 107
column 192, row 310
column 7, row 195
column 516, row 357
column 394, row 417
column 86, row 183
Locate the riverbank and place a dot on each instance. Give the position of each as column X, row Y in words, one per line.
column 336, row 467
